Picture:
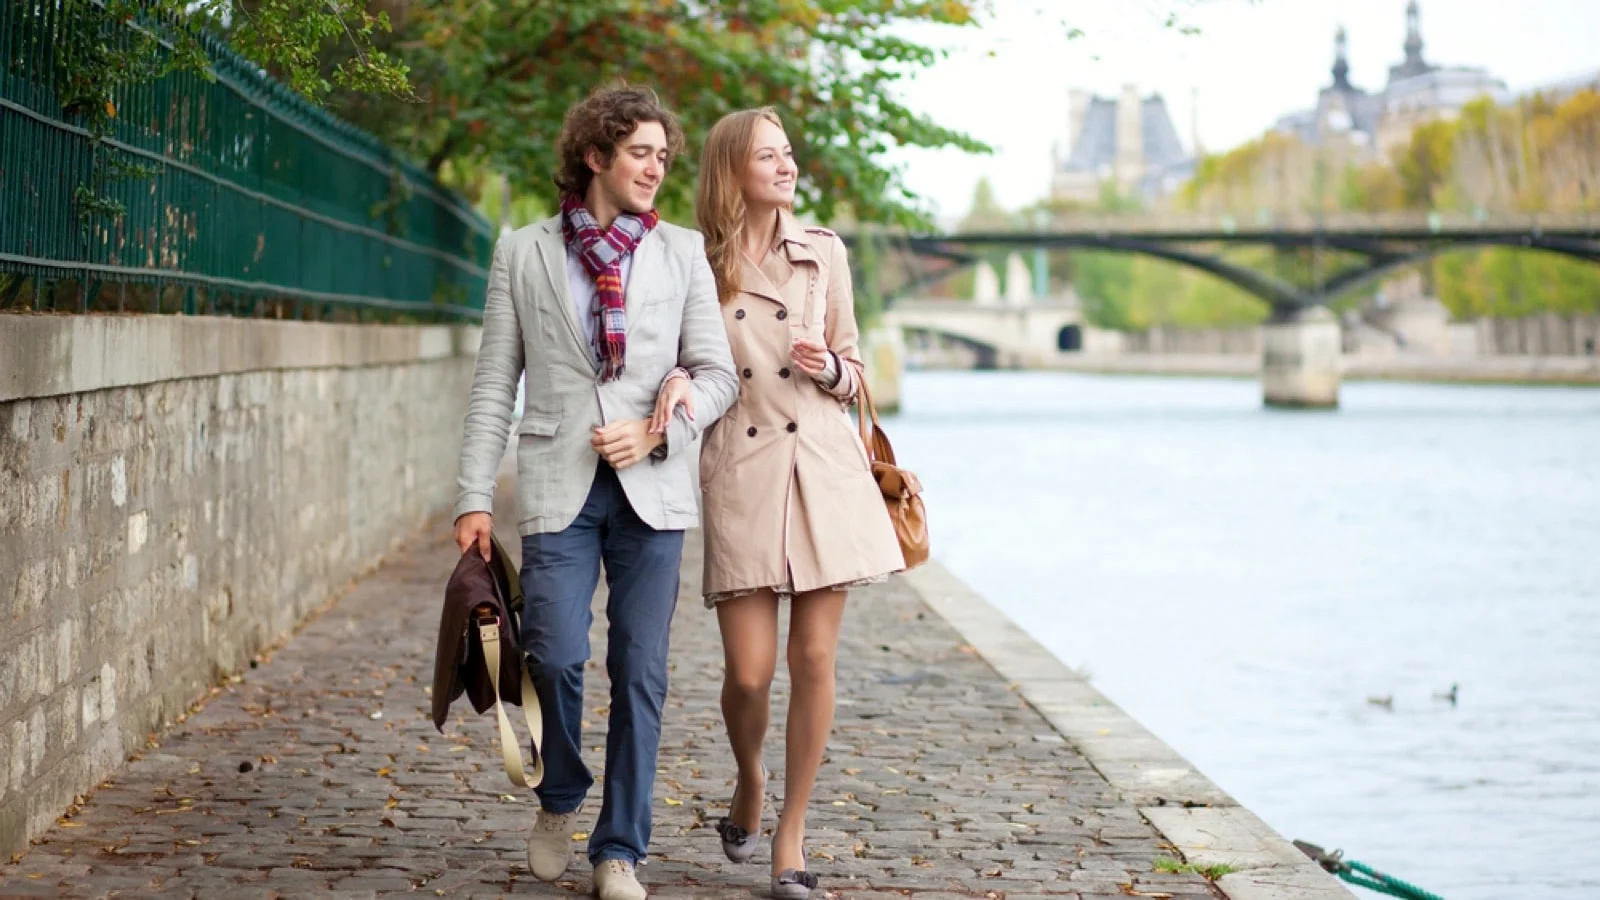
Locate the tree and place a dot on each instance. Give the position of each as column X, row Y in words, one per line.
column 493, row 81
column 477, row 87
column 986, row 213
column 311, row 45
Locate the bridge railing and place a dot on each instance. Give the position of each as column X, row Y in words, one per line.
column 231, row 195
column 1178, row 224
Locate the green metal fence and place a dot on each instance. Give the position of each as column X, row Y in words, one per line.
column 237, row 197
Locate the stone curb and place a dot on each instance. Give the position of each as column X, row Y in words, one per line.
column 1207, row 826
column 74, row 354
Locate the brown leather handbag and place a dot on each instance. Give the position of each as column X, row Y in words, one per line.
column 902, row 492
column 478, row 655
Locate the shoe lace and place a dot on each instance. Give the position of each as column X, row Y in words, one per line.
column 549, row 821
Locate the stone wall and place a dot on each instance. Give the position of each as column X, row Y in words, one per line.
column 1544, row 334
column 1244, row 340
column 176, row 494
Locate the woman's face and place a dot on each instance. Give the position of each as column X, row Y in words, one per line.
column 769, row 174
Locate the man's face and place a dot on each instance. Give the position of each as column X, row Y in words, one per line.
column 636, row 170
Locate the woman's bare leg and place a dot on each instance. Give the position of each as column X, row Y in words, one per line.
column 750, row 656
column 813, row 645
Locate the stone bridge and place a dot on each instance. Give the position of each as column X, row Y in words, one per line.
column 999, row 336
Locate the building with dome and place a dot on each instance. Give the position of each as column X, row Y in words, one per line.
column 1417, row 91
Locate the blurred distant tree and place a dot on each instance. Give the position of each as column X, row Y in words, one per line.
column 986, row 213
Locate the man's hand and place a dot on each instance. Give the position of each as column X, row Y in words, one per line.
column 811, row 357
column 626, row 442
column 474, row 528
column 677, row 391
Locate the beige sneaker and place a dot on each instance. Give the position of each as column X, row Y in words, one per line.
column 550, row 844
column 614, row 880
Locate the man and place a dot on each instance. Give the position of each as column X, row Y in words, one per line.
column 599, row 306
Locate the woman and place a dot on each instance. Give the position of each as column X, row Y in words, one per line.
column 790, row 509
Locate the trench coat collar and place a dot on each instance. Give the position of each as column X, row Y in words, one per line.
column 792, row 244
column 794, row 241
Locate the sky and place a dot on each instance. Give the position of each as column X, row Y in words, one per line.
column 1006, row 82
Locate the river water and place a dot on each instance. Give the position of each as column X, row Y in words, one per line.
column 1247, row 582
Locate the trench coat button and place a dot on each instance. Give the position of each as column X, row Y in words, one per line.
column 783, row 314
column 738, row 314
column 792, row 428
column 747, row 373
column 783, row 372
column 752, row 431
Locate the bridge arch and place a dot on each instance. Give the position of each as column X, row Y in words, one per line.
column 1070, row 338
column 988, row 355
column 997, row 334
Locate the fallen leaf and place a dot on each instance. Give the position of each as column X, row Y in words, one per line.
column 385, row 772
column 674, row 802
column 580, row 836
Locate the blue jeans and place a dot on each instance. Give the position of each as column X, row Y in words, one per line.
column 559, row 574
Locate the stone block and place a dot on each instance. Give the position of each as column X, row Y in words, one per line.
column 19, row 671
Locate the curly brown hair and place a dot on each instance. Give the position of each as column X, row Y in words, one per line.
column 600, row 122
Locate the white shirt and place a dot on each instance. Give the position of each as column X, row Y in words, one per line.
column 583, row 291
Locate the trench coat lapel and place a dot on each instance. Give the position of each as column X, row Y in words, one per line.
column 755, row 282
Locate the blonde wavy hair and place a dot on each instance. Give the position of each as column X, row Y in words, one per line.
column 719, row 201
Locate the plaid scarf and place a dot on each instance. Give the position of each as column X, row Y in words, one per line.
column 602, row 253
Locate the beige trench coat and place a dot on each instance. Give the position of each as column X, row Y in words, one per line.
column 787, row 492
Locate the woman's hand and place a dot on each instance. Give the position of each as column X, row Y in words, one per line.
column 809, row 356
column 677, row 391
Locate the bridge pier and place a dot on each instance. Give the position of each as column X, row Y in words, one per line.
column 1300, row 360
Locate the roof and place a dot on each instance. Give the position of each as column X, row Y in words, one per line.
column 1096, row 145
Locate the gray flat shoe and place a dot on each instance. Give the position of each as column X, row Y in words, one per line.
column 737, row 843
column 793, row 884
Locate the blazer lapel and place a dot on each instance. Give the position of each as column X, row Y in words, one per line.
column 643, row 270
column 553, row 253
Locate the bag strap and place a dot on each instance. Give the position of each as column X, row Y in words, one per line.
column 865, row 412
column 489, row 638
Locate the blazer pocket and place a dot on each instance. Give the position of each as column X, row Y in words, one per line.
column 543, row 425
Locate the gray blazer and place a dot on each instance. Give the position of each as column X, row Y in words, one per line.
column 529, row 325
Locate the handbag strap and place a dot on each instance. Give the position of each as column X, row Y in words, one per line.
column 865, row 412
column 872, row 436
column 489, row 638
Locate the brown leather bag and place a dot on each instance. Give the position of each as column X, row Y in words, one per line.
column 902, row 492
column 478, row 654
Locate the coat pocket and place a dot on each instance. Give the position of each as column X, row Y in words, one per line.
column 541, row 424
column 714, row 451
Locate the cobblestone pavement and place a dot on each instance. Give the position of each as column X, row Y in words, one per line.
column 319, row 774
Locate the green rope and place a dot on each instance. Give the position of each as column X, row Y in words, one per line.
column 1390, row 884
column 1363, row 875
